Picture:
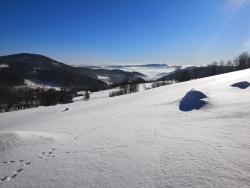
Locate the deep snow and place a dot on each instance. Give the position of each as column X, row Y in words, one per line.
column 136, row 140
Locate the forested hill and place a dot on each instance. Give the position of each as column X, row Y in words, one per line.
column 14, row 69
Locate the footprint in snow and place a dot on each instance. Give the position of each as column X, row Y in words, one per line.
column 7, row 162
column 28, row 163
column 20, row 162
column 15, row 173
column 76, row 137
column 3, row 179
column 68, row 152
column 46, row 154
column 19, row 170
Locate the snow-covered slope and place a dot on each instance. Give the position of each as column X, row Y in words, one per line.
column 35, row 85
column 137, row 140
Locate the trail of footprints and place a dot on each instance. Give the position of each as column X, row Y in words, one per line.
column 22, row 163
column 47, row 154
column 68, row 152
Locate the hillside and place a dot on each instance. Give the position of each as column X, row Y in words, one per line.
column 153, row 138
column 16, row 69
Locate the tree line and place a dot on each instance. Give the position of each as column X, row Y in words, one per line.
column 161, row 83
column 16, row 98
column 125, row 89
column 215, row 68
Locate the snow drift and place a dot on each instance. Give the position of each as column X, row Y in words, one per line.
column 193, row 100
column 10, row 140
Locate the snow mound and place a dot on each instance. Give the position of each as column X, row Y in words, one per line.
column 9, row 140
column 193, row 100
column 241, row 85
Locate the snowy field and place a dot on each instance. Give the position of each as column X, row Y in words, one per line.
column 105, row 93
column 145, row 139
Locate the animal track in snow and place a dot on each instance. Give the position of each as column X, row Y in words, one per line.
column 7, row 162
column 46, row 154
column 68, row 152
column 15, row 173
column 19, row 170
column 28, row 163
column 3, row 179
column 20, row 162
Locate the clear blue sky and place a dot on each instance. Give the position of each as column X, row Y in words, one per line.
column 126, row 31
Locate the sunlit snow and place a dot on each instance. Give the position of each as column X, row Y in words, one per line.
column 136, row 140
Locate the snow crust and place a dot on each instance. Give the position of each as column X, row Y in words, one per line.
column 136, row 140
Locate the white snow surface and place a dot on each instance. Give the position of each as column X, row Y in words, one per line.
column 4, row 66
column 35, row 85
column 134, row 140
column 104, row 79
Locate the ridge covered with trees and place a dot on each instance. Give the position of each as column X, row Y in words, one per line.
column 15, row 69
column 215, row 68
column 12, row 98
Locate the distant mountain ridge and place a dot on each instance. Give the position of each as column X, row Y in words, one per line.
column 124, row 66
column 154, row 65
column 14, row 69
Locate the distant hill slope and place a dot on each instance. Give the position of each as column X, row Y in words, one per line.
column 117, row 76
column 15, row 68
column 194, row 72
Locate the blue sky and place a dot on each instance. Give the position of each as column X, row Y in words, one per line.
column 126, row 31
